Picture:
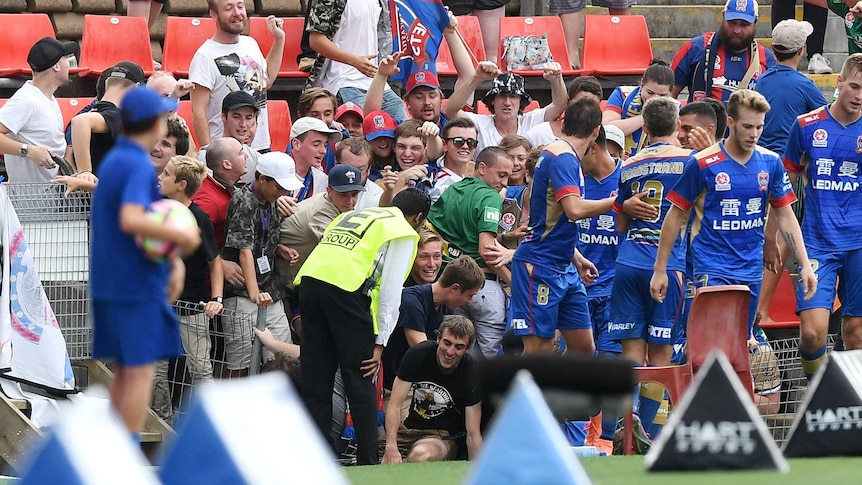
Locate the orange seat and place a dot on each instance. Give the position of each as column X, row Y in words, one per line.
column 109, row 39
column 782, row 309
column 185, row 113
column 616, row 44
column 280, row 123
column 468, row 25
column 538, row 26
column 183, row 36
column 293, row 28
column 674, row 378
column 18, row 33
column 72, row 106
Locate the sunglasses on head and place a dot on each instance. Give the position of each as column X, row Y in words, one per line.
column 459, row 141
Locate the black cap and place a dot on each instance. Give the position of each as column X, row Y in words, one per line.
column 48, row 51
column 236, row 100
column 127, row 70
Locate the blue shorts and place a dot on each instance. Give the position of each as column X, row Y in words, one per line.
column 842, row 268
column 134, row 333
column 600, row 314
column 717, row 280
column 635, row 315
column 679, row 330
column 544, row 300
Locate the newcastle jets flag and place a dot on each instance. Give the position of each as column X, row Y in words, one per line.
column 417, row 31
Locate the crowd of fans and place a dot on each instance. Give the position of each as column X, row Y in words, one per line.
column 560, row 209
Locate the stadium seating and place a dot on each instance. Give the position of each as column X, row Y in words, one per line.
column 468, row 26
column 183, row 36
column 109, row 39
column 72, row 106
column 185, row 113
column 782, row 310
column 18, row 33
column 293, row 28
column 628, row 53
column 280, row 123
column 538, row 26
column 674, row 378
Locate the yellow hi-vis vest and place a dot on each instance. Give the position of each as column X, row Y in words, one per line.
column 345, row 256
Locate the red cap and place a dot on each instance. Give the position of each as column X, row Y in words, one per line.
column 422, row 78
column 377, row 124
column 348, row 107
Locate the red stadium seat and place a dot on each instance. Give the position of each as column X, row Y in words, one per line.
column 538, row 26
column 183, row 36
column 280, row 123
column 674, row 378
column 18, row 33
column 468, row 25
column 109, row 39
column 72, row 106
column 616, row 45
column 185, row 113
column 293, row 28
column 782, row 309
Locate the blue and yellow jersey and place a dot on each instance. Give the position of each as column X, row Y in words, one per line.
column 828, row 155
column 552, row 236
column 626, row 101
column 655, row 169
column 598, row 239
column 729, row 199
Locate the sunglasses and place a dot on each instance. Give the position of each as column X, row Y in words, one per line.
column 459, row 141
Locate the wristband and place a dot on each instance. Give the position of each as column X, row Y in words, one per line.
column 216, row 299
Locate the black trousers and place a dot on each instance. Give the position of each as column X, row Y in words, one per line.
column 337, row 331
column 786, row 9
column 304, row 43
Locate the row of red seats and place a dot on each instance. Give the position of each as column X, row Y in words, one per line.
column 613, row 45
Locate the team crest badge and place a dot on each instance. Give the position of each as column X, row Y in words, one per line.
column 763, row 181
column 378, row 121
column 859, row 144
column 741, row 5
column 819, row 139
column 722, row 181
column 849, row 19
column 419, row 77
column 507, row 222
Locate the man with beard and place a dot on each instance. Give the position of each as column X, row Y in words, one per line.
column 716, row 64
column 232, row 62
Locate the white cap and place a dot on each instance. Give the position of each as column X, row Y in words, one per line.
column 616, row 135
column 307, row 123
column 789, row 35
column 281, row 167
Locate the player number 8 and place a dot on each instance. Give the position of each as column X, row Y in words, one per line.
column 542, row 293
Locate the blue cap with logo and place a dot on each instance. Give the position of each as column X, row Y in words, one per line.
column 746, row 10
column 142, row 103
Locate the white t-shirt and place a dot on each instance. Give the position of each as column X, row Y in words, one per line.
column 223, row 68
column 34, row 119
column 488, row 134
column 541, row 134
column 371, row 196
column 319, row 182
column 357, row 34
column 445, row 178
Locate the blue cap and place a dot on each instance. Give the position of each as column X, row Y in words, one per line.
column 142, row 103
column 746, row 10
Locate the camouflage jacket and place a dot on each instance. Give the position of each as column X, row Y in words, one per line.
column 324, row 16
column 255, row 227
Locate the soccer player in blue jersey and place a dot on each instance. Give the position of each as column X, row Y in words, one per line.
column 825, row 146
column 547, row 291
column 730, row 184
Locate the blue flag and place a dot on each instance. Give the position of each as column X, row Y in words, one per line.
column 417, row 31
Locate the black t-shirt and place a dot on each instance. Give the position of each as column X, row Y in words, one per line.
column 417, row 313
column 438, row 400
column 197, row 265
column 100, row 143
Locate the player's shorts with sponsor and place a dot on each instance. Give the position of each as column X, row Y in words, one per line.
column 701, row 280
column 841, row 268
column 600, row 314
column 544, row 300
column 635, row 315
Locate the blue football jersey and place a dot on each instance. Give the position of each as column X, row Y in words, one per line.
column 828, row 154
column 552, row 236
column 655, row 169
column 730, row 209
column 598, row 240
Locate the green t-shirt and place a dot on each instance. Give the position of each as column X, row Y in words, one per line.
column 852, row 24
column 464, row 210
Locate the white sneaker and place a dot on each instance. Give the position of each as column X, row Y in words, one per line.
column 818, row 64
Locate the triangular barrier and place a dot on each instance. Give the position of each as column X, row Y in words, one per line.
column 715, row 426
column 249, row 431
column 89, row 446
column 829, row 421
column 525, row 445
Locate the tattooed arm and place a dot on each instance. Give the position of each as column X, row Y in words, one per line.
column 789, row 229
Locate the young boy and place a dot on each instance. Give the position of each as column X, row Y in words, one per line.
column 181, row 178
column 133, row 323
